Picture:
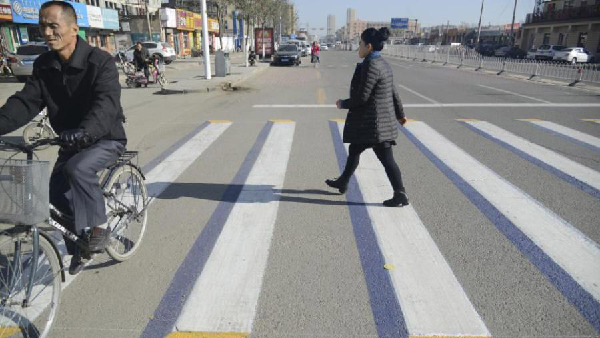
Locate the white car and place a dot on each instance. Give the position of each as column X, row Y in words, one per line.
column 532, row 54
column 324, row 47
column 163, row 49
column 546, row 52
column 22, row 62
column 573, row 55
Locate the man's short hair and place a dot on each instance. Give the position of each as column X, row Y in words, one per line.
column 138, row 43
column 67, row 9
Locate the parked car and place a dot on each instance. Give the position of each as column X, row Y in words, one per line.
column 532, row 54
column 502, row 51
column 288, row 54
column 22, row 62
column 305, row 48
column 546, row 52
column 163, row 50
column 487, row 48
column 573, row 55
column 324, row 47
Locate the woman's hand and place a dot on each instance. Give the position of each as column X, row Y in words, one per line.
column 338, row 104
column 402, row 121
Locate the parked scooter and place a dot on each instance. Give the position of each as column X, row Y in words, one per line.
column 137, row 77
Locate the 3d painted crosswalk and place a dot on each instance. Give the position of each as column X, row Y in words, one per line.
column 568, row 133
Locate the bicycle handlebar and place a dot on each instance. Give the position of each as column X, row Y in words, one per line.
column 29, row 149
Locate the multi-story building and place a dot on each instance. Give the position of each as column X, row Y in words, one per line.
column 350, row 15
column 564, row 22
column 331, row 25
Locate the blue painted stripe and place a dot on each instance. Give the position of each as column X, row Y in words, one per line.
column 169, row 309
column 387, row 313
column 565, row 137
column 571, row 290
column 153, row 163
column 558, row 173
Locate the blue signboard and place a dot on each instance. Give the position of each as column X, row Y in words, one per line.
column 81, row 12
column 26, row 11
column 401, row 23
column 110, row 17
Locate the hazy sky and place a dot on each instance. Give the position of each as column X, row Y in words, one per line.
column 428, row 12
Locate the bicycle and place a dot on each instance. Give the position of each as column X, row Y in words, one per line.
column 39, row 130
column 31, row 266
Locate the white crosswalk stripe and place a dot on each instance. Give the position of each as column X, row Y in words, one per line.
column 432, row 300
column 565, row 131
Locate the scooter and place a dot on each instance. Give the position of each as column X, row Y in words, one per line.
column 252, row 58
column 137, row 78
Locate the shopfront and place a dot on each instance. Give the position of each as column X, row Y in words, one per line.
column 6, row 27
column 185, row 32
column 102, row 22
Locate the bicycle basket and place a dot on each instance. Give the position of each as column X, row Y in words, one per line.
column 24, row 191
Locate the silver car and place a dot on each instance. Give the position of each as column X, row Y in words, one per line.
column 164, row 50
column 22, row 63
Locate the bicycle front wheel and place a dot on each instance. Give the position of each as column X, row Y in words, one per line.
column 29, row 291
column 126, row 209
column 35, row 132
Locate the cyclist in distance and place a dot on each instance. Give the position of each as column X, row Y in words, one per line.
column 79, row 86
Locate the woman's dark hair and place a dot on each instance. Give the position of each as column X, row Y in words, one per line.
column 375, row 37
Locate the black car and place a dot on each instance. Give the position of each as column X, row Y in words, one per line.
column 287, row 55
column 516, row 53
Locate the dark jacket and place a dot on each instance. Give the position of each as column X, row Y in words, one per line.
column 140, row 57
column 83, row 93
column 374, row 104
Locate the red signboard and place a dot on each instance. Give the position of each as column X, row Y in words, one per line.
column 264, row 38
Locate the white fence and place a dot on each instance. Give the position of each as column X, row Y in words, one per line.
column 461, row 56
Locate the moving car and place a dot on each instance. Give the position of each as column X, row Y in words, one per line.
column 22, row 62
column 163, row 50
column 502, row 51
column 573, row 55
column 289, row 54
column 546, row 52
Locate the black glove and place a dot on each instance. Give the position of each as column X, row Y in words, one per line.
column 77, row 137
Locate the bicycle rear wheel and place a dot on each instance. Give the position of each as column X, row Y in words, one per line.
column 35, row 318
column 126, row 209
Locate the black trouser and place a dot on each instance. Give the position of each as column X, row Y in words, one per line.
column 74, row 186
column 144, row 66
column 386, row 157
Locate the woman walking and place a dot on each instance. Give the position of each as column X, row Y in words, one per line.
column 374, row 107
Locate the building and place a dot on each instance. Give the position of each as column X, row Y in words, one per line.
column 330, row 25
column 354, row 29
column 351, row 15
column 563, row 22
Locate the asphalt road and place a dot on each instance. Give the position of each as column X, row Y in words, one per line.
column 500, row 238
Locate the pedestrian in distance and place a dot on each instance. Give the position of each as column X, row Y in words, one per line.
column 315, row 51
column 374, row 107
column 140, row 59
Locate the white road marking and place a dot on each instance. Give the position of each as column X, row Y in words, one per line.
column 515, row 94
column 577, row 254
column 572, row 133
column 449, row 105
column 418, row 94
column 551, row 158
column 432, row 300
column 225, row 296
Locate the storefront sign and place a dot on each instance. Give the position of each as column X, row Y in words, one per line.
column 197, row 21
column 213, row 25
column 168, row 17
column 95, row 17
column 185, row 20
column 81, row 12
column 110, row 18
column 26, row 11
column 264, row 38
column 5, row 12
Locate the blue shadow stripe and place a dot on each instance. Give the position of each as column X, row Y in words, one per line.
column 169, row 309
column 571, row 290
column 566, row 137
column 387, row 313
column 152, row 164
column 558, row 173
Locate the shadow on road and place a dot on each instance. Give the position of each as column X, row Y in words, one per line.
column 252, row 194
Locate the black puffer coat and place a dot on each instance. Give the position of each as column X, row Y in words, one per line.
column 374, row 104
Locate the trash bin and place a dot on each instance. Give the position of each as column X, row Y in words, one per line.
column 222, row 64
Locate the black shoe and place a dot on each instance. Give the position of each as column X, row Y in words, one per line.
column 77, row 264
column 337, row 183
column 399, row 199
column 98, row 239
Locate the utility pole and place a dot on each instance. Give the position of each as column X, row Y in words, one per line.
column 512, row 26
column 148, row 20
column 479, row 28
column 205, row 46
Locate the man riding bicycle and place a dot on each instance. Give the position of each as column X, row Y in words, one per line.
column 79, row 86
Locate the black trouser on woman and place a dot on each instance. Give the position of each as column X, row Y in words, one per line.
column 386, row 157
column 74, row 186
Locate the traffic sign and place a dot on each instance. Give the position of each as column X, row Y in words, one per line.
column 401, row 23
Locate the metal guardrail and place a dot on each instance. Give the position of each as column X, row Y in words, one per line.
column 461, row 56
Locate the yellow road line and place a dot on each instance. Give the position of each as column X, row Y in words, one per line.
column 321, row 97
column 219, row 121
column 411, row 120
column 281, row 121
column 189, row 334
column 9, row 331
column 591, row 120
column 466, row 120
column 530, row 120
column 338, row 120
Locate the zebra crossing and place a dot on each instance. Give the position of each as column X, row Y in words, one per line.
column 417, row 292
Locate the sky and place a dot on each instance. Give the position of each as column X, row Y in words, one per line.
column 428, row 12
